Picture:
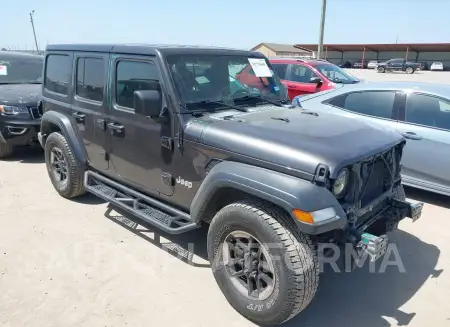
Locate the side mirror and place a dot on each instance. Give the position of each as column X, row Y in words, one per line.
column 316, row 80
column 148, row 103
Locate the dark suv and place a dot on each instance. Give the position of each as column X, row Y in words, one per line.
column 168, row 134
column 20, row 91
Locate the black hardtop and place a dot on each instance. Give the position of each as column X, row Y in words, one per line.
column 151, row 49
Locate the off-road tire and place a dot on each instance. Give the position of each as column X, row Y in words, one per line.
column 409, row 70
column 297, row 271
column 5, row 150
column 75, row 185
column 381, row 70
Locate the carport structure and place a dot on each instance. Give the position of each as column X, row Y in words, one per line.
column 422, row 52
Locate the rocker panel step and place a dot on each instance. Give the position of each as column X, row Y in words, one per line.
column 159, row 214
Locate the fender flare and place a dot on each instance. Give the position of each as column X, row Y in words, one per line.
column 64, row 124
column 287, row 192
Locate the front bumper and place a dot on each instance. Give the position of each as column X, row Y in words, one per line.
column 19, row 132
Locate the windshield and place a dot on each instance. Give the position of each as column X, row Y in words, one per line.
column 225, row 79
column 336, row 74
column 20, row 70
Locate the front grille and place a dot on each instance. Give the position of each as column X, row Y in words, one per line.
column 378, row 175
column 34, row 112
column 374, row 180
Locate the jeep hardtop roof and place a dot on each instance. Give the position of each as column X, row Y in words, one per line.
column 151, row 49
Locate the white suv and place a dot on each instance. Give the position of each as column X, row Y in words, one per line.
column 437, row 66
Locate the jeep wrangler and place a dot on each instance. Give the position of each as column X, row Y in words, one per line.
column 20, row 91
column 170, row 135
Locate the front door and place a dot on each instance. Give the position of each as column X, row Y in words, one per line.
column 426, row 127
column 138, row 146
column 298, row 81
column 89, row 105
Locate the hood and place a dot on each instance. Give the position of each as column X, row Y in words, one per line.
column 292, row 138
column 20, row 94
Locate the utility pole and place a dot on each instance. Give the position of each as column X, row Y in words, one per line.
column 34, row 32
column 322, row 28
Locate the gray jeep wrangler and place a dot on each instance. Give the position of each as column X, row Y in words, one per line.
column 178, row 136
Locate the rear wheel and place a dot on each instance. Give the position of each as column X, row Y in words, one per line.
column 62, row 167
column 5, row 150
column 264, row 266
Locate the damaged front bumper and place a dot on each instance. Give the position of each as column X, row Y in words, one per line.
column 375, row 246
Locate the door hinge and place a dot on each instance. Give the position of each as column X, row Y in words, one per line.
column 167, row 142
column 167, row 179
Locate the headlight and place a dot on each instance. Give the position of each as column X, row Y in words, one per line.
column 341, row 182
column 12, row 110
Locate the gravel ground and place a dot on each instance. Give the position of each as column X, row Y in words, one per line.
column 80, row 263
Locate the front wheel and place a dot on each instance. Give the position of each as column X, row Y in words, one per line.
column 264, row 266
column 381, row 70
column 5, row 150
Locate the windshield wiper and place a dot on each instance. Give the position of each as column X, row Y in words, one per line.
column 226, row 105
column 278, row 103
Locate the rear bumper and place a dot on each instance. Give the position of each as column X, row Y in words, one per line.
column 20, row 132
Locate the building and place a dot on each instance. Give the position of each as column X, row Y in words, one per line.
column 417, row 52
column 280, row 50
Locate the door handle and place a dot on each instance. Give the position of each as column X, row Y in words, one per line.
column 411, row 136
column 79, row 117
column 116, row 128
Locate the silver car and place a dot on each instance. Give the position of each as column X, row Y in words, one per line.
column 419, row 111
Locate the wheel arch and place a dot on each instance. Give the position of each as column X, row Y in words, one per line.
column 58, row 122
column 228, row 182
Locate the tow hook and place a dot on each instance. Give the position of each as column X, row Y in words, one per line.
column 412, row 210
column 367, row 245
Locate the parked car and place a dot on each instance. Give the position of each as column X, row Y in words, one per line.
column 345, row 64
column 397, row 64
column 20, row 90
column 301, row 76
column 418, row 111
column 360, row 64
column 142, row 128
column 437, row 66
column 373, row 64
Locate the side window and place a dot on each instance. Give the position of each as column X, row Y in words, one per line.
column 134, row 76
column 301, row 74
column 372, row 103
column 90, row 78
column 280, row 70
column 427, row 110
column 58, row 72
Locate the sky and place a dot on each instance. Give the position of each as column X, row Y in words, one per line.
column 230, row 23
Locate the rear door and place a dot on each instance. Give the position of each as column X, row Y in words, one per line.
column 89, row 105
column 139, row 147
column 298, row 80
column 426, row 125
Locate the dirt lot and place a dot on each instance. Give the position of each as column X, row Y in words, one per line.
column 80, row 263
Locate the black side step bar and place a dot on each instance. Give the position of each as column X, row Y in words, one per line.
column 159, row 214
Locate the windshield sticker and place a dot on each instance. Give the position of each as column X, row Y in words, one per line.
column 3, row 70
column 260, row 67
column 201, row 80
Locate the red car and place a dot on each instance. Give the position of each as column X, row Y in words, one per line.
column 302, row 76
